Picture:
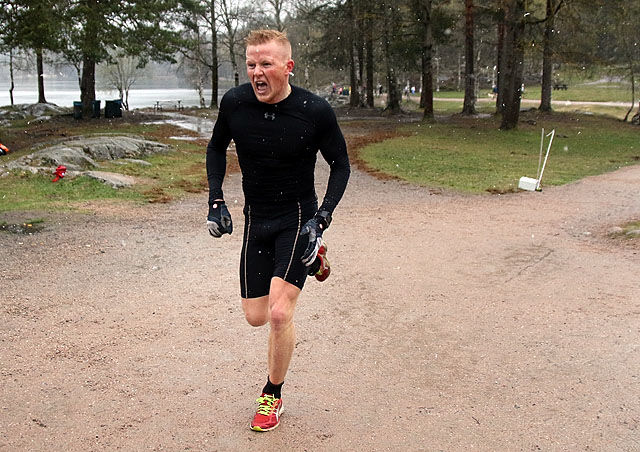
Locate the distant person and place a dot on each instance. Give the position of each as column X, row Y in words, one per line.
column 277, row 129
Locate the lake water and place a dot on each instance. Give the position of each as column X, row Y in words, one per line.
column 65, row 93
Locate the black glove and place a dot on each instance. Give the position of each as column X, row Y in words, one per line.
column 311, row 234
column 219, row 219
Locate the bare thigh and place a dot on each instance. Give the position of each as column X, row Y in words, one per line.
column 280, row 304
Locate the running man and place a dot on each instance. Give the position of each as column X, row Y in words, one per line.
column 277, row 129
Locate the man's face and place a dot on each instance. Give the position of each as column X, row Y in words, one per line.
column 268, row 67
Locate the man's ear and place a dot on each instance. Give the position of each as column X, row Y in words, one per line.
column 290, row 65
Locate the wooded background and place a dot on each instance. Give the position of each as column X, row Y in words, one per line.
column 364, row 46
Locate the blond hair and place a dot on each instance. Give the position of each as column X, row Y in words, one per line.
column 263, row 36
column 257, row 37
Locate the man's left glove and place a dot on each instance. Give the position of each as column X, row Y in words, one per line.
column 219, row 219
column 311, row 234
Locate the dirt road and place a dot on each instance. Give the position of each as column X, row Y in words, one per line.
column 450, row 323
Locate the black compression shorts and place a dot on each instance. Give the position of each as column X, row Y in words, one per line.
column 272, row 247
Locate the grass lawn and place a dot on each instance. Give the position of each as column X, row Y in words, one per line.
column 170, row 176
column 472, row 155
column 577, row 92
column 37, row 192
column 602, row 92
column 464, row 154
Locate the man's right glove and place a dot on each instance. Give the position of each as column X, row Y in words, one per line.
column 311, row 232
column 219, row 219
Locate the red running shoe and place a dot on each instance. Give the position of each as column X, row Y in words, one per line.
column 325, row 269
column 268, row 413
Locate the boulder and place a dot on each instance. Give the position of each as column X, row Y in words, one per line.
column 114, row 179
column 22, row 111
column 72, row 158
column 117, row 147
column 137, row 162
column 82, row 155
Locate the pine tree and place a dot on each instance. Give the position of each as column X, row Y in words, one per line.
column 140, row 28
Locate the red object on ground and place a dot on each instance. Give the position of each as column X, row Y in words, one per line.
column 60, row 173
column 3, row 149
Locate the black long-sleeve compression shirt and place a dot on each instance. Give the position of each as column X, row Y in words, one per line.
column 276, row 146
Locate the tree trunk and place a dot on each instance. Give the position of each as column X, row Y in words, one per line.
column 88, row 85
column 234, row 64
column 227, row 19
column 423, row 7
column 277, row 7
column 11, row 85
column 125, row 103
column 514, row 63
column 633, row 91
column 121, row 93
column 359, row 42
column 459, row 79
column 547, row 61
column 427, row 86
column 199, row 61
column 354, row 93
column 636, row 118
column 393, row 93
column 499, row 88
column 214, row 58
column 469, row 107
column 200, row 82
column 369, row 64
column 40, row 68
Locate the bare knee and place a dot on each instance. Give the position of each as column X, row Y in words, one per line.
column 282, row 300
column 255, row 319
column 256, row 310
column 281, row 317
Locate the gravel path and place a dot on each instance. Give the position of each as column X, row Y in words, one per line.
column 450, row 322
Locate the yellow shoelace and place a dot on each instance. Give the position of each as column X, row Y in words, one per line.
column 267, row 404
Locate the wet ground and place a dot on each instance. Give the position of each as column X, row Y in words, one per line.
column 449, row 322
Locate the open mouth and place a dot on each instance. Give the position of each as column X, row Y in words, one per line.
column 261, row 87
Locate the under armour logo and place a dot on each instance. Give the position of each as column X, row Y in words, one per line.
column 271, row 116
